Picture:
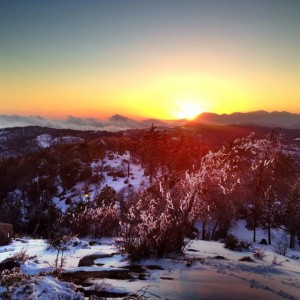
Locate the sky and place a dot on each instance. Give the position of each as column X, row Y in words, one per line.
column 148, row 59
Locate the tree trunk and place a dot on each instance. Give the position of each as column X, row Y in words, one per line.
column 128, row 168
column 214, row 229
column 292, row 241
column 269, row 234
column 36, row 228
column 254, row 234
column 204, row 230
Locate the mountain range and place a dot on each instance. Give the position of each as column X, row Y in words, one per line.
column 262, row 118
column 118, row 122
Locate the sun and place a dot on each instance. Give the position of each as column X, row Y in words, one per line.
column 188, row 110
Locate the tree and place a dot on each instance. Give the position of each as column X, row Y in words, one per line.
column 103, row 221
column 220, row 182
column 157, row 220
column 292, row 213
column 107, row 196
column 263, row 183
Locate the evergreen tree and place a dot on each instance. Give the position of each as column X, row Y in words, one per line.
column 292, row 214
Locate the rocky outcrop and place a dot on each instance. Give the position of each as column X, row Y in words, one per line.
column 6, row 233
column 88, row 260
column 8, row 264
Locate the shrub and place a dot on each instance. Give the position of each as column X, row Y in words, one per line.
column 61, row 245
column 259, row 253
column 10, row 277
column 103, row 221
column 275, row 261
column 281, row 248
column 233, row 243
column 247, row 259
column 21, row 256
column 244, row 245
column 157, row 221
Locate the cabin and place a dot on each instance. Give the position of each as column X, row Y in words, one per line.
column 6, row 233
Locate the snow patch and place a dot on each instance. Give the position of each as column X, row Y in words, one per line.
column 44, row 140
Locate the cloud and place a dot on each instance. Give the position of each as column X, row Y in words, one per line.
column 21, row 121
column 85, row 122
column 115, row 123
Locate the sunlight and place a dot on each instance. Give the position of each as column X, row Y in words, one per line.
column 188, row 110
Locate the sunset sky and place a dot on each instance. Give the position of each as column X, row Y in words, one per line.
column 162, row 59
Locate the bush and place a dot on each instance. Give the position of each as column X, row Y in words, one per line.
column 157, row 221
column 246, row 259
column 60, row 245
column 233, row 243
column 10, row 277
column 21, row 256
column 281, row 248
column 259, row 253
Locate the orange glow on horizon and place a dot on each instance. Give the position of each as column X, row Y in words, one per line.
column 173, row 95
column 188, row 109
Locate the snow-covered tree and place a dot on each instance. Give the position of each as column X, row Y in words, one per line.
column 219, row 182
column 264, row 205
column 292, row 213
column 156, row 222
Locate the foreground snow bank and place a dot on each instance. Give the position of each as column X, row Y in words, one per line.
column 44, row 288
column 206, row 271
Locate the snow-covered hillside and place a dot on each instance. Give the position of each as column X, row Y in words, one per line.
column 114, row 170
column 46, row 140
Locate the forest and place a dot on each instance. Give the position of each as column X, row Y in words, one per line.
column 198, row 184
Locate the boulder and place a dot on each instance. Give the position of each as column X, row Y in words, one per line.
column 88, row 260
column 6, row 233
column 8, row 264
column 263, row 242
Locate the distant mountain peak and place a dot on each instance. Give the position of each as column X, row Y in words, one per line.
column 118, row 117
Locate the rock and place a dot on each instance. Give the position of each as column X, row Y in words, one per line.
column 142, row 276
column 154, row 267
column 263, row 242
column 219, row 257
column 8, row 264
column 189, row 263
column 6, row 233
column 101, row 294
column 82, row 276
column 192, row 250
column 134, row 268
column 93, row 243
column 88, row 260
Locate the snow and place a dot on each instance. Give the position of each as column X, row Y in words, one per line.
column 46, row 288
column 198, row 272
column 135, row 181
column 67, row 140
column 44, row 140
column 274, row 277
column 3, row 135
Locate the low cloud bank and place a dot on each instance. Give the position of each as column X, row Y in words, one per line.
column 115, row 123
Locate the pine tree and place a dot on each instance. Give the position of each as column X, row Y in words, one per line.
column 292, row 214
